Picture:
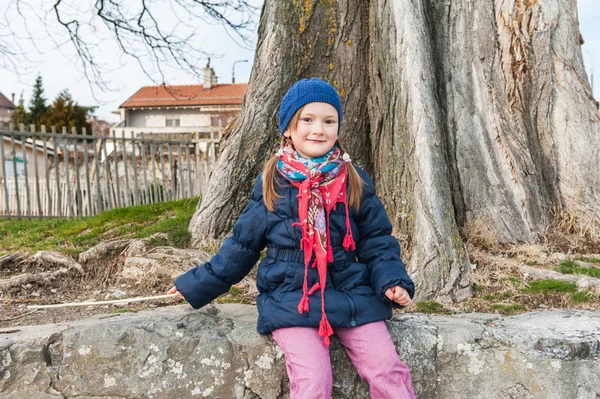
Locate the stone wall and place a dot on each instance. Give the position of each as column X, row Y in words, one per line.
column 215, row 352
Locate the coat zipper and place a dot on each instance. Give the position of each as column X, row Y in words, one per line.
column 352, row 310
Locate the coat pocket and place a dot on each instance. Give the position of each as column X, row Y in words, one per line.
column 354, row 275
column 275, row 277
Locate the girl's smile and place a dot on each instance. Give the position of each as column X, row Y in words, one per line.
column 317, row 130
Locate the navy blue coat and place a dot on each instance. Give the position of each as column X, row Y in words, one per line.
column 356, row 280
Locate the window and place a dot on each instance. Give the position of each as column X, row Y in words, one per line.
column 173, row 121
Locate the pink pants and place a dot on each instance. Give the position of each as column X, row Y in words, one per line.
column 370, row 348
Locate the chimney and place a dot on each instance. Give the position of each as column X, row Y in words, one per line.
column 12, row 95
column 210, row 78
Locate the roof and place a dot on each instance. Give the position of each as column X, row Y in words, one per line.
column 5, row 102
column 187, row 95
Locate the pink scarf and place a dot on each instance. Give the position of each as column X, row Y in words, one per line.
column 321, row 188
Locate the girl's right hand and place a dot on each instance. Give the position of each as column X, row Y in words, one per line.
column 173, row 290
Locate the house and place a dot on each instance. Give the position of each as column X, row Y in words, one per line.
column 14, row 165
column 6, row 109
column 199, row 109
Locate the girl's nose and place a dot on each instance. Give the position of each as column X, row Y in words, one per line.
column 318, row 128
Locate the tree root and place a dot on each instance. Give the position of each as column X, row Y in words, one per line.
column 39, row 278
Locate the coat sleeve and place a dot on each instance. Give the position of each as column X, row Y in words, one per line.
column 376, row 246
column 236, row 257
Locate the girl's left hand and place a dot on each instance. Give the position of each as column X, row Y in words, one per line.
column 398, row 295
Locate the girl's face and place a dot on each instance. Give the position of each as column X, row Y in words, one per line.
column 317, row 130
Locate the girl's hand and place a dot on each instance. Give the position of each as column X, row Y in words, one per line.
column 173, row 290
column 398, row 295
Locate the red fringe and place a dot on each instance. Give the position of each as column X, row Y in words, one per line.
column 349, row 241
column 325, row 330
column 314, row 289
column 303, row 305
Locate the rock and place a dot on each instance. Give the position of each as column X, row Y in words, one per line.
column 117, row 294
column 215, row 352
column 5, row 343
column 161, row 262
column 137, row 247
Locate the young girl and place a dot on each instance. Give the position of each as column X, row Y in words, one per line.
column 332, row 265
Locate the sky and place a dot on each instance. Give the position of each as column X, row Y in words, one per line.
column 60, row 71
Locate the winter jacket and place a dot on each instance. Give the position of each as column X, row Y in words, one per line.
column 356, row 280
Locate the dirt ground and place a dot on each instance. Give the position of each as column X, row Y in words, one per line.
column 499, row 286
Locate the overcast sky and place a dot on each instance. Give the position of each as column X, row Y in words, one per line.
column 59, row 71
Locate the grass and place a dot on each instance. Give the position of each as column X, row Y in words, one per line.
column 550, row 287
column 498, row 296
column 588, row 260
column 531, row 262
column 569, row 267
column 516, row 282
column 582, row 297
column 430, row 307
column 75, row 235
column 233, row 296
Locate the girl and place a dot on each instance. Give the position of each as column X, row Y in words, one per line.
column 332, row 265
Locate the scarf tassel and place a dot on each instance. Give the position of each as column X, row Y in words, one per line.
column 303, row 305
column 325, row 330
column 348, row 240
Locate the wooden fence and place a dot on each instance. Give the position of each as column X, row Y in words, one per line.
column 50, row 174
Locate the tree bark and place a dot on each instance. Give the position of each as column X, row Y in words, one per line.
column 460, row 110
column 296, row 39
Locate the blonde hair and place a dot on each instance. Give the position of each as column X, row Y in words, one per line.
column 269, row 177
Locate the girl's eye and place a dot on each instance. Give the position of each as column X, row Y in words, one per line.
column 306, row 119
column 330, row 121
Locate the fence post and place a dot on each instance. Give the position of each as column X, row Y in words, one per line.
column 116, row 157
column 165, row 192
column 99, row 199
column 154, row 181
column 189, row 166
column 67, row 174
column 4, row 182
column 56, row 167
column 34, row 150
column 87, row 171
column 26, row 169
column 136, row 191
column 78, row 196
column 15, row 174
column 127, row 201
column 143, row 152
column 47, row 170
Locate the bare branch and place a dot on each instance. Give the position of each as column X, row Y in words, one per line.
column 140, row 29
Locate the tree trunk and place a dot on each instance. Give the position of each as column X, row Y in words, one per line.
column 296, row 39
column 461, row 110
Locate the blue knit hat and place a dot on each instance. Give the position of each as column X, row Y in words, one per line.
column 306, row 91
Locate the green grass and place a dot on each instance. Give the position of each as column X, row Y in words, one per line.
column 479, row 287
column 233, row 296
column 430, row 307
column 583, row 297
column 508, row 308
column 588, row 260
column 516, row 282
column 550, row 287
column 75, row 235
column 569, row 267
column 498, row 296
column 531, row 262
